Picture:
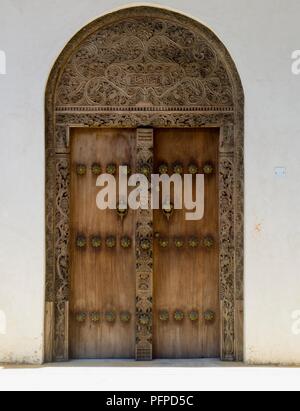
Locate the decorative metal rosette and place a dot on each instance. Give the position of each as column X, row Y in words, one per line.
column 125, row 317
column 179, row 242
column 193, row 242
column 96, row 169
column 81, row 317
column 164, row 315
column 179, row 315
column 111, row 169
column 163, row 169
column 81, row 169
column 194, row 315
column 111, row 242
column 95, row 317
column 126, row 242
column 208, row 169
column 96, row 242
column 110, row 316
column 81, row 241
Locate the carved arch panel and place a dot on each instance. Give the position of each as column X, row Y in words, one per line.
column 140, row 67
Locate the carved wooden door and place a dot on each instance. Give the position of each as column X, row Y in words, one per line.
column 186, row 253
column 102, row 300
column 143, row 283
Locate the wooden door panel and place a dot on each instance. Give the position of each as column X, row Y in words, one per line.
column 187, row 279
column 102, row 280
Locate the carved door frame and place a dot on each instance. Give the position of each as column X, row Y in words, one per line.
column 222, row 106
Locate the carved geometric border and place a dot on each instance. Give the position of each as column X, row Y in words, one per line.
column 59, row 120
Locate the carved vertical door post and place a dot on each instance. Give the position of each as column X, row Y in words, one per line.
column 144, row 252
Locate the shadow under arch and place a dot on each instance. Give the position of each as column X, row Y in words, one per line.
column 144, row 67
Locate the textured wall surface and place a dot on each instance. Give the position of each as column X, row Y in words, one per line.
column 260, row 37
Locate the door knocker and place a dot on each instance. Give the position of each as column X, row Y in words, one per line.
column 168, row 210
column 122, row 210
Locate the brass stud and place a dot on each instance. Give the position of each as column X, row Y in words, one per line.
column 208, row 169
column 194, row 315
column 96, row 169
column 193, row 242
column 164, row 242
column 144, row 319
column 164, row 315
column 145, row 169
column 95, row 317
column 80, row 317
column 208, row 242
column 110, row 316
column 193, row 169
column 111, row 242
column 209, row 316
column 125, row 316
column 145, row 244
column 179, row 243
column 178, row 168
column 111, row 169
column 179, row 315
column 163, row 169
column 96, row 242
column 125, row 242
column 81, row 241
column 81, row 170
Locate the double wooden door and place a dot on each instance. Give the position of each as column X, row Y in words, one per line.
column 185, row 320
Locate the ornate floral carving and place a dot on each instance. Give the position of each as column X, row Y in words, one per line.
column 62, row 235
column 226, row 199
column 145, row 61
column 144, row 253
column 144, row 67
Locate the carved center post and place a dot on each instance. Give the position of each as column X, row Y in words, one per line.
column 144, row 252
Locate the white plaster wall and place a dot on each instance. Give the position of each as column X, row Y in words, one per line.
column 261, row 36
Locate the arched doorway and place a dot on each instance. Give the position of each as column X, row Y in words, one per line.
column 148, row 70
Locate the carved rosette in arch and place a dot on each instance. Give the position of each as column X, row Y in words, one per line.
column 144, row 67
